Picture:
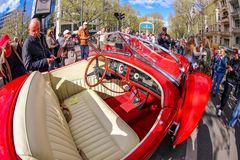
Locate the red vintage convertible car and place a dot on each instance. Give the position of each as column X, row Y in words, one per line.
column 118, row 103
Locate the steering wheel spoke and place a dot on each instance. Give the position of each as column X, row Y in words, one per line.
column 98, row 67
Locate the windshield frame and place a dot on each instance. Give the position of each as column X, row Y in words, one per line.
column 172, row 78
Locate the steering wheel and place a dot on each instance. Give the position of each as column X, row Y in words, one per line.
column 98, row 66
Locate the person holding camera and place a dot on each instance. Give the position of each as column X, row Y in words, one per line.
column 68, row 55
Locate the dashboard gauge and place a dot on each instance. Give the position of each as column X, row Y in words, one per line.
column 114, row 64
column 121, row 68
column 136, row 76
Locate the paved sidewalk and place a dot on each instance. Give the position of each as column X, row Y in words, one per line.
column 210, row 141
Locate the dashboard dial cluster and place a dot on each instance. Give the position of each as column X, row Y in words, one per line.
column 118, row 67
column 144, row 80
column 135, row 75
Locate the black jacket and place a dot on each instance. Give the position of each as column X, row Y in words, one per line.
column 164, row 40
column 35, row 53
column 234, row 76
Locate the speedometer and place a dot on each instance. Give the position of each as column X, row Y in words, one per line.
column 136, row 76
column 121, row 68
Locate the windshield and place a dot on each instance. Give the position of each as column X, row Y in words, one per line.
column 149, row 53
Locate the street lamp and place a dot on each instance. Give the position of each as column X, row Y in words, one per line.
column 83, row 1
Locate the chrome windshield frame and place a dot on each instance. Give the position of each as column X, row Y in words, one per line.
column 175, row 80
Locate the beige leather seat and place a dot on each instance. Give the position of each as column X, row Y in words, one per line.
column 97, row 130
column 41, row 131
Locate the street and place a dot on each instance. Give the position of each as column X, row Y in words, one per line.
column 210, row 141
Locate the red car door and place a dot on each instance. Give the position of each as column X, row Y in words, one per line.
column 192, row 104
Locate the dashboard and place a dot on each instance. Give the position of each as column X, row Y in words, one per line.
column 134, row 75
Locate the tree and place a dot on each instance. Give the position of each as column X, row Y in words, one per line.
column 93, row 11
column 177, row 28
column 184, row 9
column 131, row 18
column 14, row 26
column 157, row 20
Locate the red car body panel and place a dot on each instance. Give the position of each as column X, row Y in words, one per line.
column 198, row 86
column 150, row 144
column 8, row 98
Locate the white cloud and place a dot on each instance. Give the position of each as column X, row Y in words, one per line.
column 149, row 7
column 147, row 3
column 8, row 5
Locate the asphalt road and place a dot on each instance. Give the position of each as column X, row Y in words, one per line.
column 210, row 141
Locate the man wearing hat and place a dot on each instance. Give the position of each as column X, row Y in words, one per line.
column 84, row 35
column 11, row 65
column 36, row 54
column 232, row 79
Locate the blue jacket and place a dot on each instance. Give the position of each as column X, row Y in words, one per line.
column 35, row 53
column 220, row 64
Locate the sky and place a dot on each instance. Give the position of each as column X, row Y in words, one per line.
column 8, row 6
column 165, row 7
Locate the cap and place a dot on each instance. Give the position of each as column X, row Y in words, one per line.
column 85, row 23
column 66, row 32
column 4, row 40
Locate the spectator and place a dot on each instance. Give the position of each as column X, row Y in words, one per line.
column 69, row 56
column 180, row 47
column 17, row 46
column 235, row 115
column 219, row 71
column 207, row 57
column 36, row 55
column 190, row 51
column 164, row 39
column 153, row 39
column 52, row 42
column 101, row 37
column 128, row 30
column 11, row 65
column 84, row 35
column 53, row 47
column 137, row 34
column 232, row 78
column 60, row 39
column 147, row 36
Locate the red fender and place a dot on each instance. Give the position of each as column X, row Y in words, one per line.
column 198, row 87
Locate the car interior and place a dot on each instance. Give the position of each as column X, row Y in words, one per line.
column 104, row 121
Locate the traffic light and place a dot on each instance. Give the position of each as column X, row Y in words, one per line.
column 119, row 16
column 122, row 15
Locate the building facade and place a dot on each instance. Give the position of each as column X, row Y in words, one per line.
column 11, row 23
column 223, row 26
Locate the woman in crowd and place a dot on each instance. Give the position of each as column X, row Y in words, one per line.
column 190, row 52
column 68, row 55
column 53, row 46
column 52, row 42
column 11, row 66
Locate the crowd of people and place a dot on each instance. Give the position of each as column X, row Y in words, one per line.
column 44, row 52
column 40, row 52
